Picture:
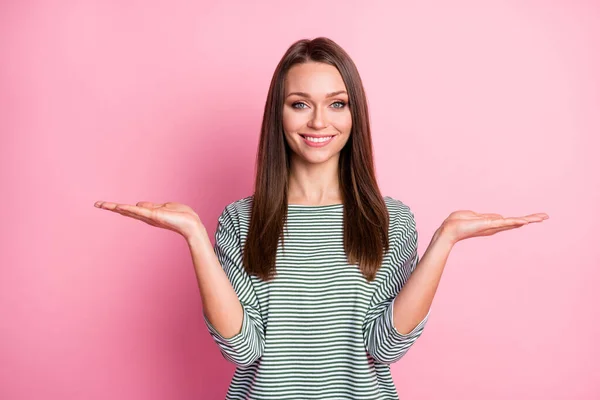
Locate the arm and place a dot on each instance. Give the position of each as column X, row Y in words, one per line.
column 402, row 304
column 413, row 302
column 415, row 299
column 230, row 306
column 383, row 340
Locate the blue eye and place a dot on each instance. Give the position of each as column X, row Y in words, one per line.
column 298, row 102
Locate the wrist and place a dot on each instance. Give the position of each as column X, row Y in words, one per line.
column 442, row 234
column 197, row 237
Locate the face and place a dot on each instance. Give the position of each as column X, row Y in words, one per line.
column 316, row 106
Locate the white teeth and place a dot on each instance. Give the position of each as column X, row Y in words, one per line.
column 318, row 140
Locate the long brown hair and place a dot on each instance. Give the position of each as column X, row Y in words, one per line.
column 366, row 216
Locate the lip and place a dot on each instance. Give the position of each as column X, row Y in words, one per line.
column 313, row 144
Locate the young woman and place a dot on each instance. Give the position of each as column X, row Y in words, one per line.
column 314, row 285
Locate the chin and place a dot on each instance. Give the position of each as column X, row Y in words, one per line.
column 318, row 159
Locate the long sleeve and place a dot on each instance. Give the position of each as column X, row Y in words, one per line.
column 247, row 346
column 382, row 341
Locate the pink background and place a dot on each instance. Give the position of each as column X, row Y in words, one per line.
column 493, row 108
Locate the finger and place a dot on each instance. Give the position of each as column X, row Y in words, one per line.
column 129, row 211
column 540, row 216
column 533, row 218
column 148, row 204
column 506, row 222
column 492, row 231
column 107, row 205
column 135, row 210
column 537, row 217
column 119, row 206
column 136, row 216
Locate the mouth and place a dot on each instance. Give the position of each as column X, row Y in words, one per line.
column 317, row 140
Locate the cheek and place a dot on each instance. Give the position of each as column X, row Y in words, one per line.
column 343, row 122
column 292, row 121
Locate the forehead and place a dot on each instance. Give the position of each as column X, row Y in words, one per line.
column 314, row 78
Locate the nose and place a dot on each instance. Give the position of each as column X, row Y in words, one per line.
column 317, row 120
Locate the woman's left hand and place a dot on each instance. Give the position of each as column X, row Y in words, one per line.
column 465, row 224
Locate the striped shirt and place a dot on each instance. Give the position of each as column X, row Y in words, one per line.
column 319, row 329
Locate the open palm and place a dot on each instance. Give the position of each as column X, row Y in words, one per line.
column 465, row 224
column 173, row 216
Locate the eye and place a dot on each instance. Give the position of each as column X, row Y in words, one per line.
column 298, row 103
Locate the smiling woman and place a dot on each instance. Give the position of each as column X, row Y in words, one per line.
column 315, row 114
column 313, row 289
column 316, row 255
column 315, row 149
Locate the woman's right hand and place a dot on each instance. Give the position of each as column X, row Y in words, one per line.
column 176, row 217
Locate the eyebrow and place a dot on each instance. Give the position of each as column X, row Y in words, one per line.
column 303, row 94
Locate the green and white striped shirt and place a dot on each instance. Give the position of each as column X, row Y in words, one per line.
column 319, row 329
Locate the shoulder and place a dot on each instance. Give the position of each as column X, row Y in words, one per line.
column 398, row 209
column 238, row 207
column 402, row 218
column 237, row 213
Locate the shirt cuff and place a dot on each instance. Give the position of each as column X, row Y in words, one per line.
column 234, row 340
column 403, row 336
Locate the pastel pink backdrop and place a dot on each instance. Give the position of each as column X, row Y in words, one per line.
column 485, row 106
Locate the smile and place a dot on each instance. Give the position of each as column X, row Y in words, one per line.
column 317, row 142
